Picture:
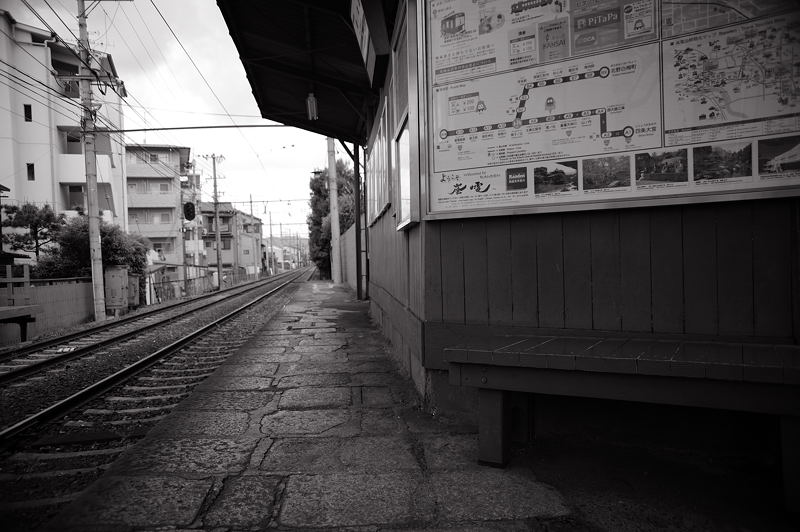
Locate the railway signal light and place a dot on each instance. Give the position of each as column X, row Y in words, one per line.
column 188, row 211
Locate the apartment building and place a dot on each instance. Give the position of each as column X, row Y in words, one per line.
column 41, row 150
column 240, row 235
column 155, row 173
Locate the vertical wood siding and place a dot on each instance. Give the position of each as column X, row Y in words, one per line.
column 719, row 269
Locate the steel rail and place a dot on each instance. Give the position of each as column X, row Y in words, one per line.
column 110, row 324
column 105, row 384
column 24, row 370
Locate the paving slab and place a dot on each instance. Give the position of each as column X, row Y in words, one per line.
column 316, row 379
column 244, row 400
column 306, row 422
column 493, row 494
column 222, row 423
column 244, row 502
column 315, row 397
column 135, row 501
column 342, row 499
column 217, row 382
column 188, row 456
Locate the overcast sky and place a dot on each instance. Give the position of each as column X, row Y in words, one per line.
column 269, row 163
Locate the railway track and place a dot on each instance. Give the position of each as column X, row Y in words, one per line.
column 52, row 454
column 29, row 359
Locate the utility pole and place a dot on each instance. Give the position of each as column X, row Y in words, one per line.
column 254, row 240
column 92, row 205
column 217, row 228
column 283, row 247
column 183, row 244
column 271, row 259
column 333, row 200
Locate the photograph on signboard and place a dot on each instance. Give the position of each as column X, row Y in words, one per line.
column 723, row 161
column 607, row 172
column 779, row 157
column 661, row 168
column 555, row 178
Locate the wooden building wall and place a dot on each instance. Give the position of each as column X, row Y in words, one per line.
column 722, row 271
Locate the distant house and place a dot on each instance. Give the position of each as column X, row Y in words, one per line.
column 155, row 196
column 240, row 236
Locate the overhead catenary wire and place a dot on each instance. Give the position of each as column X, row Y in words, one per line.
column 258, row 158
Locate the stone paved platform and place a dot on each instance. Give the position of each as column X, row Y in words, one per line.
column 309, row 426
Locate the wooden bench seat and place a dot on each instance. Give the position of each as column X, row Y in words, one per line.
column 760, row 378
column 21, row 315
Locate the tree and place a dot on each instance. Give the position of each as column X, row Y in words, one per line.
column 42, row 224
column 71, row 258
column 319, row 225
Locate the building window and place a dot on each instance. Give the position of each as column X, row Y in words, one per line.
column 153, row 157
column 246, row 252
column 226, row 243
column 162, row 246
column 208, row 243
column 73, row 144
column 75, row 198
column 163, row 187
column 28, row 110
column 166, row 217
column 378, row 168
column 31, row 172
column 403, row 154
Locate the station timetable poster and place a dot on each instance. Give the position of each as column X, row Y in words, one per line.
column 566, row 102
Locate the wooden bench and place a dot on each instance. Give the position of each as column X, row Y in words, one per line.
column 757, row 378
column 21, row 315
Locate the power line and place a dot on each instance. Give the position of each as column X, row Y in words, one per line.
column 38, row 101
column 234, row 126
column 207, row 83
column 50, row 89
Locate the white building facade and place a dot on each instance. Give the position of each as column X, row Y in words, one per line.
column 41, row 149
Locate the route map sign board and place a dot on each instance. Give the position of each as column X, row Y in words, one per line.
column 574, row 103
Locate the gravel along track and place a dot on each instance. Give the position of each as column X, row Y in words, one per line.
column 51, row 464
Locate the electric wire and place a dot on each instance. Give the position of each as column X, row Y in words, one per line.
column 258, row 158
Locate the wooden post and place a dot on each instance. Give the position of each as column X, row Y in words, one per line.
column 492, row 427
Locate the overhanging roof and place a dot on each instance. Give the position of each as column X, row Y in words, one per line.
column 292, row 48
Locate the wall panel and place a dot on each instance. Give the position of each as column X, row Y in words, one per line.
column 606, row 277
column 577, row 272
column 772, row 267
column 700, row 271
column 635, row 279
column 476, row 275
column 550, row 269
column 666, row 268
column 735, row 265
column 452, row 272
column 498, row 247
column 524, row 276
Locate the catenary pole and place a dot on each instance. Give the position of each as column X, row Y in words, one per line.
column 90, row 157
column 273, row 269
column 217, row 228
column 333, row 197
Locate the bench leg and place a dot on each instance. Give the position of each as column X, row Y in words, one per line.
column 492, row 427
column 790, row 457
column 23, row 331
